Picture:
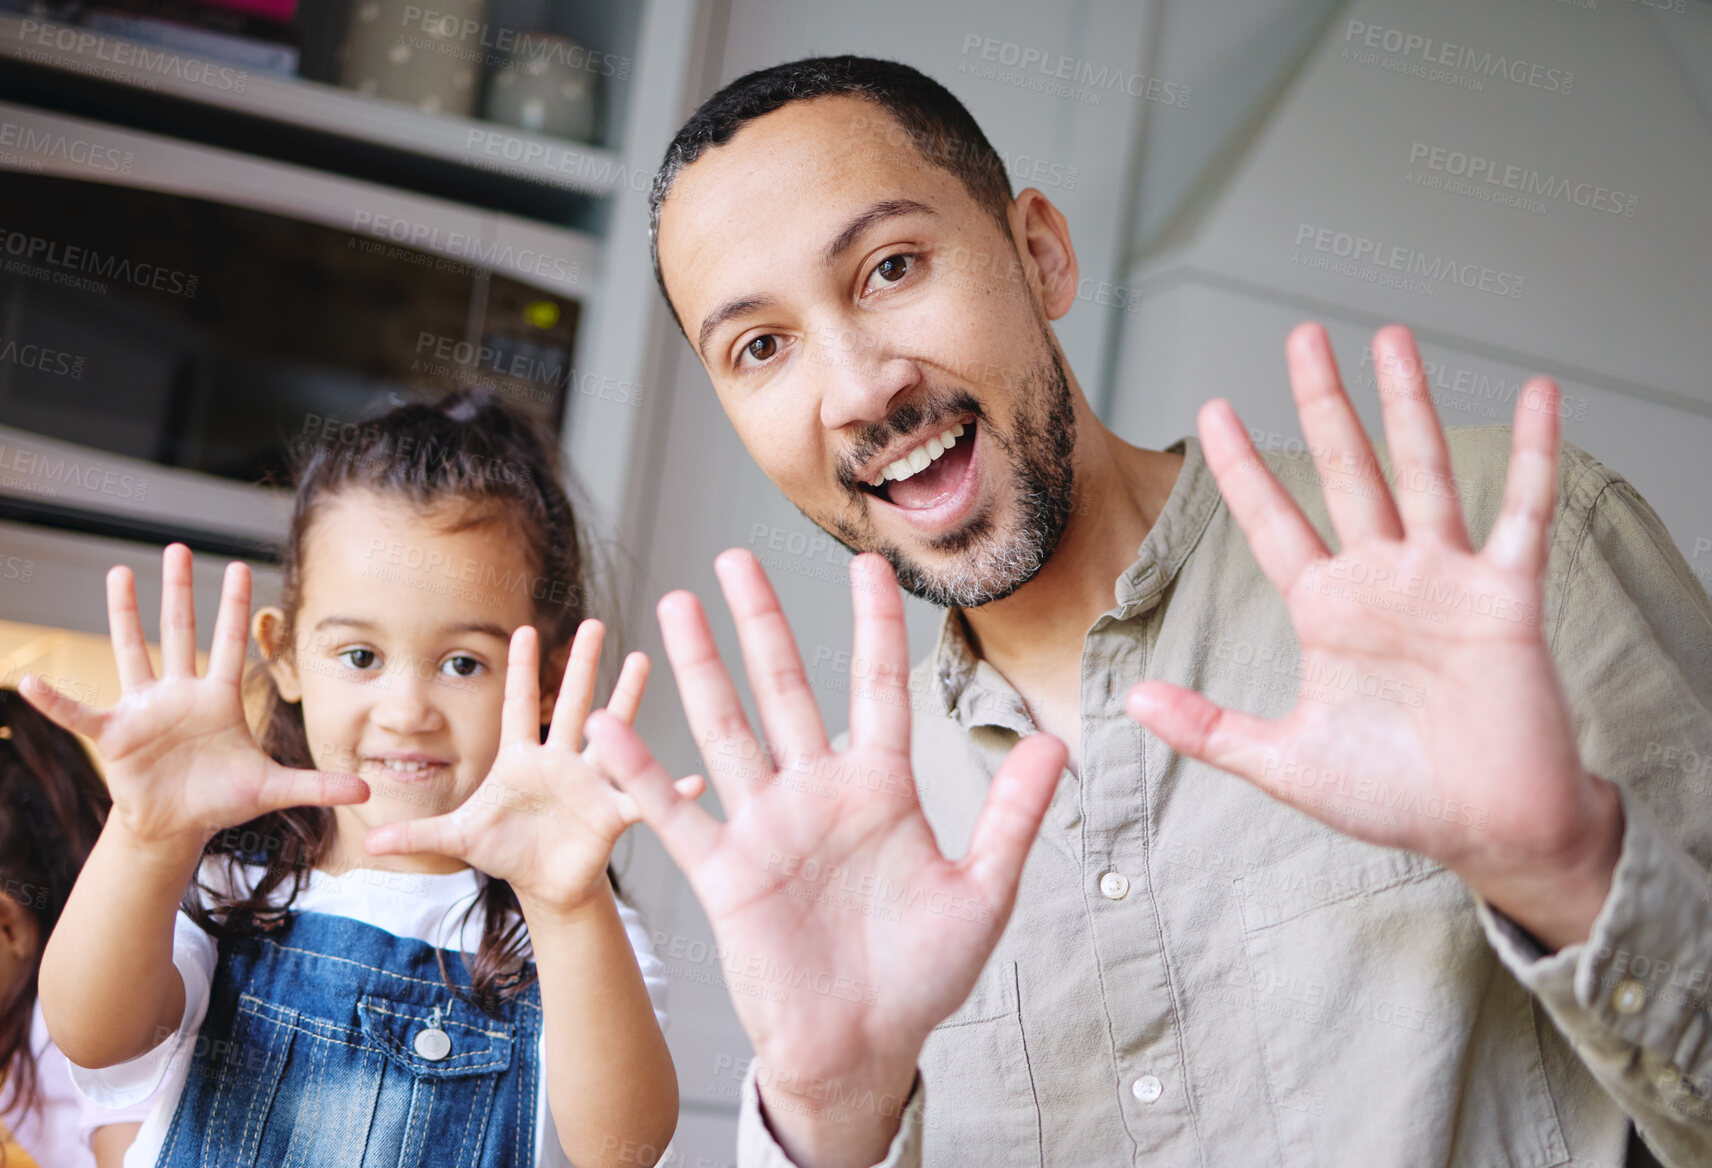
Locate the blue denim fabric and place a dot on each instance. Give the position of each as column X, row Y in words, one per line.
column 310, row 1056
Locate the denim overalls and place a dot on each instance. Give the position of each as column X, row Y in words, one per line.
column 331, row 1043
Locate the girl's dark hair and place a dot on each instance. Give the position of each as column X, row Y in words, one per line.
column 467, row 449
column 52, row 806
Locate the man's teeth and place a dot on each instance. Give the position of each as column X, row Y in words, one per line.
column 917, row 459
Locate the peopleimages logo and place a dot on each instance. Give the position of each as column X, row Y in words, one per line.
column 1408, row 47
column 1521, row 179
column 1374, row 256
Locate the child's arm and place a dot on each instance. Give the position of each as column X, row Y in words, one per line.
column 545, row 819
column 610, row 1079
column 180, row 765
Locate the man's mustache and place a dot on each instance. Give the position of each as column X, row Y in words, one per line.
column 915, row 414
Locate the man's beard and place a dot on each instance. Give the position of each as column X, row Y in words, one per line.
column 991, row 564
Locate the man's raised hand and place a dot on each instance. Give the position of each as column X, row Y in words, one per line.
column 845, row 934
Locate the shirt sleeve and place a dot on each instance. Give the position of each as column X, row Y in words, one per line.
column 756, row 1147
column 129, row 1084
column 653, row 969
column 1631, row 630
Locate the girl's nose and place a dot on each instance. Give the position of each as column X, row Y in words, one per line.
column 406, row 703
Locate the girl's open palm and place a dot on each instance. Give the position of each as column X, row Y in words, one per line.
column 180, row 761
column 545, row 818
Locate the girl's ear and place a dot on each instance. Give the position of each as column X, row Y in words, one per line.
column 19, row 931
column 550, row 691
column 268, row 628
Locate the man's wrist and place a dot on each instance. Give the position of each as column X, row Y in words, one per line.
column 833, row 1121
column 1558, row 900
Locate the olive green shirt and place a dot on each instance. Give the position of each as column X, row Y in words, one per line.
column 1197, row 974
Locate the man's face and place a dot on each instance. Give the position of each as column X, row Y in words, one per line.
column 878, row 344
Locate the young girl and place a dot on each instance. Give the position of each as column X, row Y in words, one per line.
column 52, row 805
column 315, row 1005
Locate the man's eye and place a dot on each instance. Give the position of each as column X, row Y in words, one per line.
column 762, row 348
column 891, row 269
column 359, row 658
column 461, row 666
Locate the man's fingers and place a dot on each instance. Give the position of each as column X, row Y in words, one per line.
column 1010, row 818
column 1521, row 537
column 576, row 688
column 1420, row 461
column 231, row 627
column 1191, row 725
column 59, row 709
column 125, row 629
column 790, row 717
column 728, row 746
column 520, row 715
column 177, row 614
column 879, row 668
column 1283, row 541
column 688, row 832
column 1356, row 496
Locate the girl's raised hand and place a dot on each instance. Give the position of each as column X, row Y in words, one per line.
column 546, row 817
column 181, row 763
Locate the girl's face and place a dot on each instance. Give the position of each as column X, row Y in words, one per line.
column 399, row 656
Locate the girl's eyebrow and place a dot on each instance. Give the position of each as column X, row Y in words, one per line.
column 488, row 628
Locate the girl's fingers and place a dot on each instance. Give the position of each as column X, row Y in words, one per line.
column 61, row 710
column 576, row 688
column 689, row 833
column 439, row 834
column 231, row 627
column 691, row 786
column 286, row 787
column 178, row 613
column 520, row 715
column 125, row 628
column 626, row 696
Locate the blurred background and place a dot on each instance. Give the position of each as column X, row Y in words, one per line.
column 231, row 226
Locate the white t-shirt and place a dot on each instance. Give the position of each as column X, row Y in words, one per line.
column 59, row 1133
column 405, row 904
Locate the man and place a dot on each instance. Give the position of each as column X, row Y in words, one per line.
column 1422, row 887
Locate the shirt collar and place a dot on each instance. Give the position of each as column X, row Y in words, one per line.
column 976, row 694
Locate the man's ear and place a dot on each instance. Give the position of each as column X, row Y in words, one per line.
column 1049, row 258
column 268, row 628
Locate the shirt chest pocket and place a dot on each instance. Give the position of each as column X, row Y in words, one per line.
column 981, row 1106
column 1388, row 1031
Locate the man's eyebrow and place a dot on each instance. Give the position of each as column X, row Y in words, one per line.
column 878, row 213
column 724, row 313
column 853, row 230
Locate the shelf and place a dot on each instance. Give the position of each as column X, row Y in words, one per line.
column 326, row 109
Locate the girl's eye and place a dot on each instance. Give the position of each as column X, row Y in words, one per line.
column 891, row 269
column 461, row 666
column 359, row 658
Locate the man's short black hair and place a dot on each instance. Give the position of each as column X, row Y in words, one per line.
column 934, row 121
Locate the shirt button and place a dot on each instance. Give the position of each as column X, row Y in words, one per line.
column 1114, row 886
column 1148, row 1088
column 1629, row 996
column 1669, row 1081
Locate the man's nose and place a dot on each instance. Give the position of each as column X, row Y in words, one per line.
column 861, row 375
